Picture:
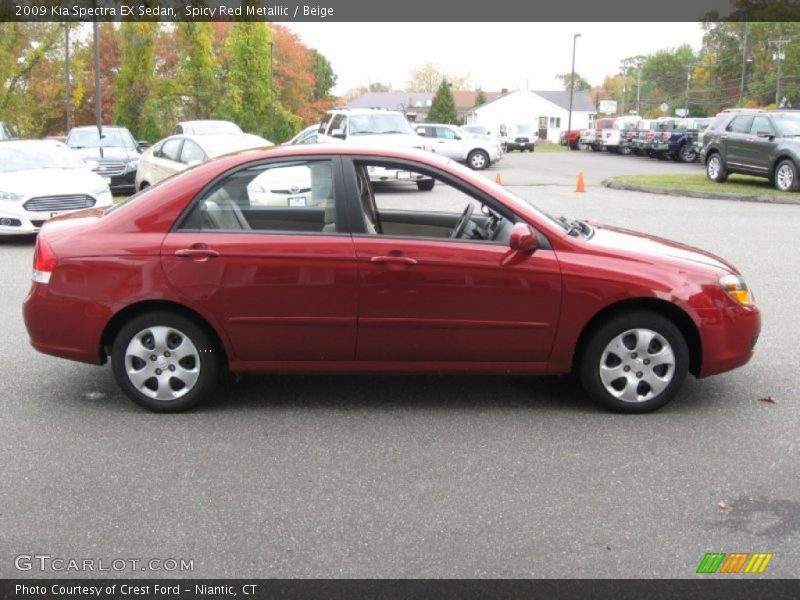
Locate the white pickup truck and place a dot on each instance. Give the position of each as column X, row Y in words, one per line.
column 610, row 137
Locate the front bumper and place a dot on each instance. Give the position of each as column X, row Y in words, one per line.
column 15, row 220
column 728, row 333
column 123, row 184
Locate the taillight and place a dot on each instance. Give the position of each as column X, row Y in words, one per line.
column 44, row 261
column 666, row 135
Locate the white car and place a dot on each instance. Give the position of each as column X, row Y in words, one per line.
column 179, row 152
column 477, row 151
column 307, row 136
column 40, row 179
column 6, row 132
column 375, row 128
column 205, row 127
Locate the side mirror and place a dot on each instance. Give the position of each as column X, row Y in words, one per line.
column 142, row 145
column 523, row 238
column 338, row 133
column 766, row 134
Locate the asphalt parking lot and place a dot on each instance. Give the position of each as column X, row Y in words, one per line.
column 425, row 476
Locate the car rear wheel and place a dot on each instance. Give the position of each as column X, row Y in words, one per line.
column 687, row 154
column 164, row 361
column 786, row 176
column 634, row 362
column 426, row 185
column 715, row 168
column 478, row 160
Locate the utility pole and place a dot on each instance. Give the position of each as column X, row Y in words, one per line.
column 67, row 79
column 744, row 59
column 572, row 82
column 686, row 97
column 638, row 89
column 98, row 95
column 778, row 56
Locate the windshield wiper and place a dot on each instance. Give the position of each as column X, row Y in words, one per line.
column 575, row 226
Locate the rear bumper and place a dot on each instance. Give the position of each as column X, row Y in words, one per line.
column 76, row 338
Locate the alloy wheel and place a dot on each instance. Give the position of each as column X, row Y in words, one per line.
column 784, row 178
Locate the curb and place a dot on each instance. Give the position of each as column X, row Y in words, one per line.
column 693, row 194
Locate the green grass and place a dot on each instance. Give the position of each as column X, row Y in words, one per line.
column 740, row 185
column 118, row 199
column 550, row 147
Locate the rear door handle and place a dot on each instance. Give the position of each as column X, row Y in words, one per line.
column 403, row 260
column 196, row 253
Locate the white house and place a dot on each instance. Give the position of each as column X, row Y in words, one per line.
column 546, row 112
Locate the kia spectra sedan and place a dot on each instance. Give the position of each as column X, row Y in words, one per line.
column 197, row 275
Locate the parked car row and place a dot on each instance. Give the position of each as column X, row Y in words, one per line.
column 665, row 138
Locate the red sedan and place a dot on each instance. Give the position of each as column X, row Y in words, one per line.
column 291, row 259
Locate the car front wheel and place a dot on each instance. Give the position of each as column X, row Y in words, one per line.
column 786, row 176
column 478, row 160
column 164, row 361
column 634, row 362
column 715, row 168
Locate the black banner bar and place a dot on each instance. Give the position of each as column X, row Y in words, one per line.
column 407, row 10
column 717, row 588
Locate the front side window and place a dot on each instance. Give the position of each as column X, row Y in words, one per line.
column 446, row 212
column 170, row 149
column 288, row 197
column 445, row 133
column 761, row 125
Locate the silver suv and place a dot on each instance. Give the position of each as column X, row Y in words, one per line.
column 375, row 128
column 453, row 142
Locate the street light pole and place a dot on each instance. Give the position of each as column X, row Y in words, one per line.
column 271, row 93
column 572, row 84
column 744, row 59
column 779, row 56
column 98, row 95
column 67, row 79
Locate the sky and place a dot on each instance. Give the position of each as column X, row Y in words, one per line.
column 493, row 55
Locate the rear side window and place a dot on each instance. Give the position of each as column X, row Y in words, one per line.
column 170, row 149
column 289, row 197
column 740, row 124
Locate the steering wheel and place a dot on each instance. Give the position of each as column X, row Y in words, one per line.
column 461, row 226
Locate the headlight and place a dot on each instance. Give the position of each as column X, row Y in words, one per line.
column 736, row 288
column 10, row 196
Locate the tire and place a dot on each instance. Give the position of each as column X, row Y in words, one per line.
column 687, row 154
column 143, row 185
column 625, row 150
column 596, row 148
column 715, row 168
column 614, row 373
column 478, row 160
column 196, row 366
column 785, row 177
column 426, row 185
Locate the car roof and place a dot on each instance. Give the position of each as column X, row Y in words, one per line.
column 362, row 111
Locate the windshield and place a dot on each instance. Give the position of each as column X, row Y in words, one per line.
column 523, row 129
column 21, row 158
column 476, row 129
column 787, row 125
column 112, row 138
column 378, row 124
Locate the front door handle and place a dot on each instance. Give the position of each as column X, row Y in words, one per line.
column 403, row 260
column 196, row 253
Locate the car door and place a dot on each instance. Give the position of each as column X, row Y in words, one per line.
column 449, row 144
column 426, row 297
column 280, row 280
column 760, row 145
column 735, row 139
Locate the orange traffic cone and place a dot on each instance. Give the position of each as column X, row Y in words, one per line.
column 498, row 179
column 581, row 185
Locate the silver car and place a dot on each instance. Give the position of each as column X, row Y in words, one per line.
column 478, row 152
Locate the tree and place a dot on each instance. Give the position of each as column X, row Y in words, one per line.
column 443, row 107
column 580, row 83
column 429, row 77
column 135, row 85
column 294, row 77
column 324, row 77
column 480, row 97
column 197, row 69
